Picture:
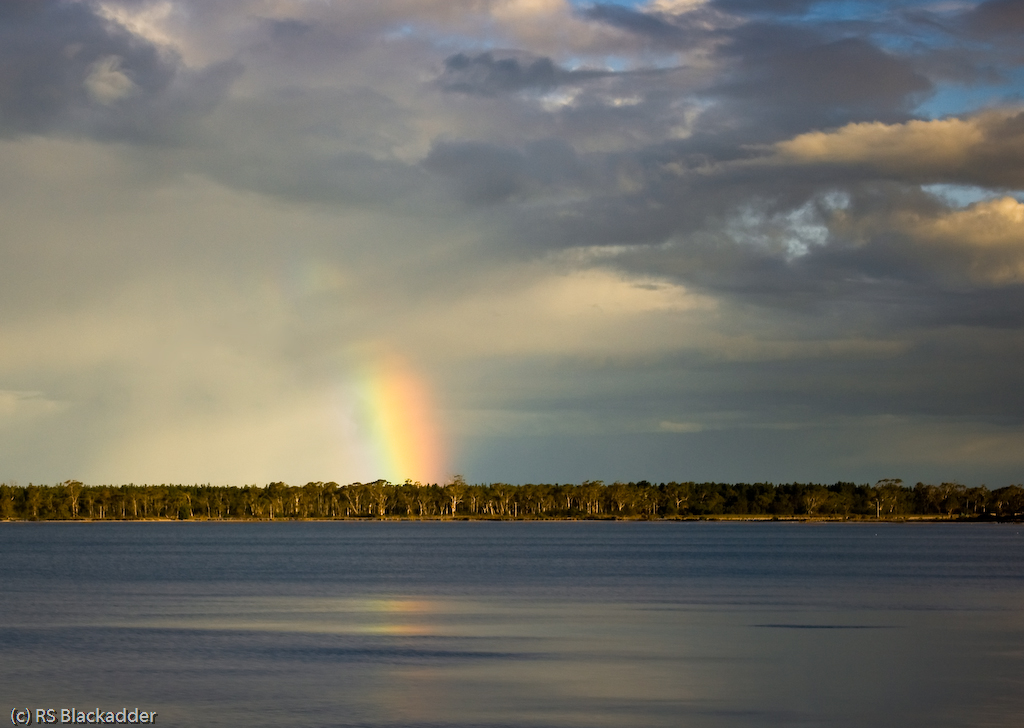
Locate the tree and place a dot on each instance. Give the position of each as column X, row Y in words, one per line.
column 678, row 495
column 814, row 498
column 707, row 498
column 455, row 491
column 952, row 496
column 379, row 492
column 977, row 499
column 890, row 495
column 354, row 496
column 273, row 496
column 1008, row 501
column 503, row 494
column 426, row 499
column 590, row 494
column 405, row 496
column 73, row 489
column 623, row 497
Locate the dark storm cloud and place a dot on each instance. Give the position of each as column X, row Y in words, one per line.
column 48, row 52
column 791, row 79
column 64, row 68
column 995, row 18
column 487, row 74
column 686, row 29
column 978, row 45
column 335, row 148
column 877, row 256
column 164, row 118
column 757, row 7
column 776, row 235
column 869, row 246
column 289, row 30
column 488, row 174
column 783, row 77
column 651, row 26
column 656, row 194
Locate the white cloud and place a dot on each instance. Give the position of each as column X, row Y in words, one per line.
column 107, row 82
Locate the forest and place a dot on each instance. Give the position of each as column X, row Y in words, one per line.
column 885, row 500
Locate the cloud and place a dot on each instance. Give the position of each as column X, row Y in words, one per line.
column 994, row 18
column 942, row 143
column 984, row 242
column 541, row 310
column 489, row 75
column 17, row 407
column 652, row 26
column 789, row 77
column 57, row 56
column 782, row 7
column 670, row 426
column 986, row 149
column 107, row 82
column 66, row 68
column 488, row 174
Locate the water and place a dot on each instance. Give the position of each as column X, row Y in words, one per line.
column 517, row 624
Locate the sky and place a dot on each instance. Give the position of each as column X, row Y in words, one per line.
column 518, row 240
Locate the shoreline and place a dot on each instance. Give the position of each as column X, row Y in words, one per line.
column 752, row 518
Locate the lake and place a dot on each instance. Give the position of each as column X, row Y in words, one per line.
column 533, row 624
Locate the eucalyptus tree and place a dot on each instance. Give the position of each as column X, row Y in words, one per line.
column 952, row 497
column 814, row 498
column 707, row 498
column 975, row 499
column 476, row 495
column 1008, row 501
column 379, row 493
column 677, row 495
column 353, row 497
column 622, row 496
column 454, row 492
column 73, row 492
column 533, row 497
column 503, row 495
column 426, row 500
column 405, row 497
column 590, row 495
column 649, row 500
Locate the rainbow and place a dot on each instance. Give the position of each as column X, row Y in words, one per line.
column 398, row 424
column 383, row 412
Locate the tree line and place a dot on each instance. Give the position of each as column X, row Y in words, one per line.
column 887, row 499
